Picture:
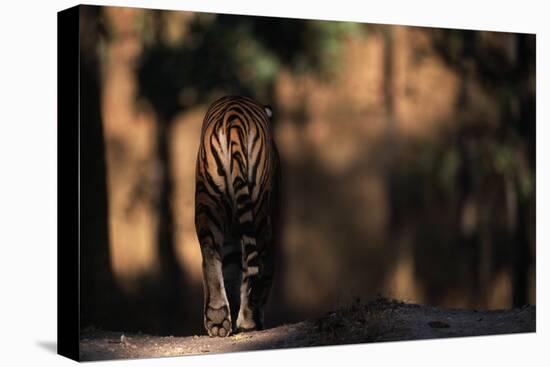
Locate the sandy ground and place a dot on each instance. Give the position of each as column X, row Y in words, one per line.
column 381, row 320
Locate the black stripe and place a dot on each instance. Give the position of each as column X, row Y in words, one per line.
column 237, row 157
column 246, row 208
column 212, row 217
column 212, row 184
column 242, row 199
column 232, row 117
column 255, row 261
column 253, row 109
column 247, row 229
column 240, row 184
column 233, row 258
column 216, row 156
column 248, row 249
column 257, row 161
column 200, row 187
column 205, row 234
column 255, row 140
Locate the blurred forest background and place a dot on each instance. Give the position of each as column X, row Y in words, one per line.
column 408, row 162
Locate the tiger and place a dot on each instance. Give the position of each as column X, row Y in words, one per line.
column 236, row 213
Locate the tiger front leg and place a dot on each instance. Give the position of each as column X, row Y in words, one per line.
column 217, row 315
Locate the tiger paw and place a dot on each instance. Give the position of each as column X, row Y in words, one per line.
column 218, row 321
column 246, row 325
column 249, row 320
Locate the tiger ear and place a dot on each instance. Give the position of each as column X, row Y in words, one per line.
column 268, row 111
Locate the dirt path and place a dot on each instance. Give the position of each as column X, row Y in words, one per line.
column 380, row 320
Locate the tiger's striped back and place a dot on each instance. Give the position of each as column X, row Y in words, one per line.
column 235, row 210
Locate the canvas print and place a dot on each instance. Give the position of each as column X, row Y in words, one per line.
column 252, row 183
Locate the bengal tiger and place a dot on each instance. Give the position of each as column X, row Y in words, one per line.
column 236, row 213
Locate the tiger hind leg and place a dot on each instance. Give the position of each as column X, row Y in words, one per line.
column 256, row 282
column 217, row 314
column 255, row 290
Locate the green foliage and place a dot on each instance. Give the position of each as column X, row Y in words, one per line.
column 325, row 40
column 502, row 159
column 257, row 64
column 229, row 54
column 527, row 186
